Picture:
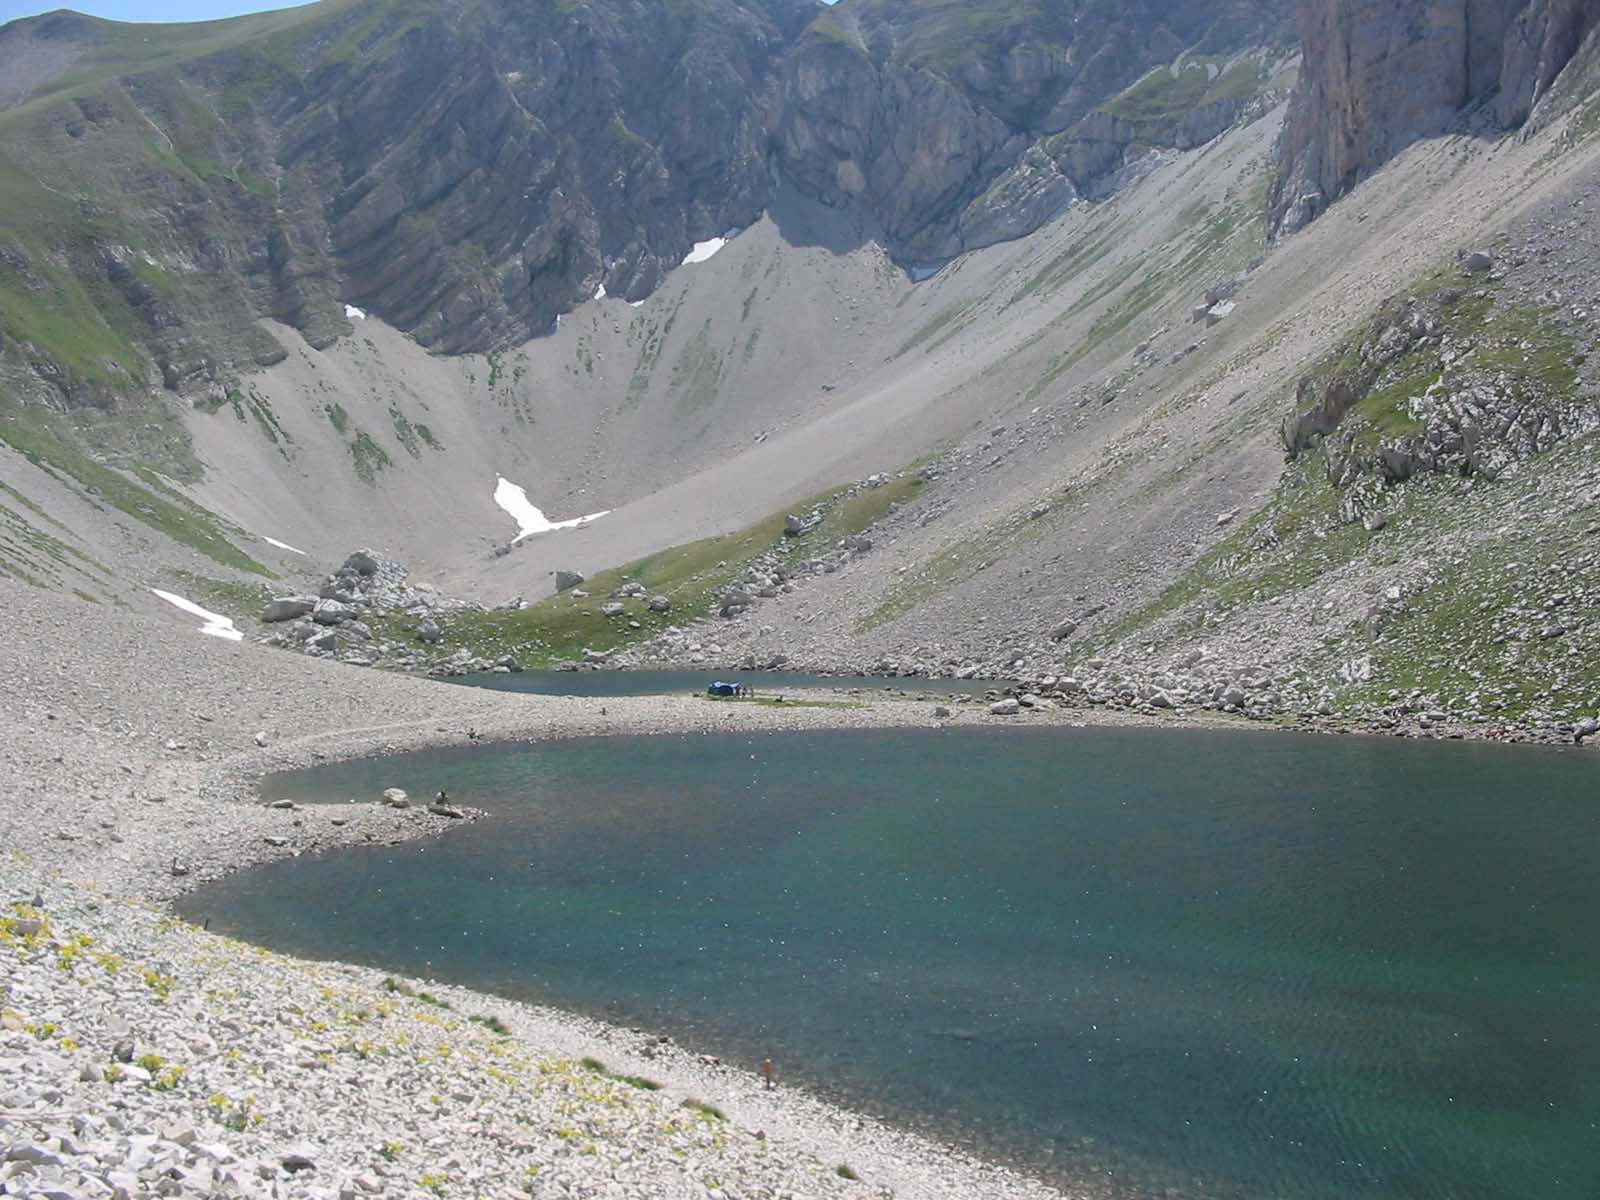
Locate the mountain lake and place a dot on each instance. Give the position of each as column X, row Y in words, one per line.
column 1136, row 962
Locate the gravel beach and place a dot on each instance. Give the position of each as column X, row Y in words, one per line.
column 143, row 1056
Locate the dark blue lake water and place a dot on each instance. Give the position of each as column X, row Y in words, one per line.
column 1167, row 963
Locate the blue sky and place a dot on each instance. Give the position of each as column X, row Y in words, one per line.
column 150, row 10
column 143, row 10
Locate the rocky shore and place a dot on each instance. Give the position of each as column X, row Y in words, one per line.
column 141, row 1056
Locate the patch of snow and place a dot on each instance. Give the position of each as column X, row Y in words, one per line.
column 530, row 518
column 923, row 271
column 354, row 313
column 704, row 250
column 600, row 292
column 216, row 625
column 281, row 545
column 636, row 303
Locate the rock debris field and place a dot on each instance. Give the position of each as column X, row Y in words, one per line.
column 142, row 1056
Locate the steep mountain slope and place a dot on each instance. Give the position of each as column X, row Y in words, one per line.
column 1381, row 75
column 1077, row 438
column 186, row 206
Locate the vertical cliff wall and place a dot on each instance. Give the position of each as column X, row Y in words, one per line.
column 1379, row 74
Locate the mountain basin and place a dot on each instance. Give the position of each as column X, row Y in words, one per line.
column 1137, row 962
column 669, row 682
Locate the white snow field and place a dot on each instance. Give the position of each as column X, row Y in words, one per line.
column 216, row 625
column 529, row 517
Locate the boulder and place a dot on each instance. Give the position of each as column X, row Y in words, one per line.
column 566, row 580
column 1005, row 708
column 331, row 612
column 429, row 632
column 660, row 604
column 396, row 798
column 363, row 563
column 614, row 609
column 1063, row 630
column 1587, row 727
column 1477, row 262
column 287, row 608
column 857, row 544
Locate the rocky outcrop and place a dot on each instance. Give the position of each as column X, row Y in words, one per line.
column 942, row 123
column 1379, row 74
column 470, row 172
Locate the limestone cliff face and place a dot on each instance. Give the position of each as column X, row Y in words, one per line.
column 957, row 126
column 1378, row 74
column 471, row 169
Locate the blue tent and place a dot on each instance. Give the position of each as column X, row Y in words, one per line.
column 719, row 688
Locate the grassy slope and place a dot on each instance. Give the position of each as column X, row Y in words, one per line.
column 151, row 502
column 1490, row 558
column 692, row 576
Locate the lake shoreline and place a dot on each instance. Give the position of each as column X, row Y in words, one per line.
column 137, row 751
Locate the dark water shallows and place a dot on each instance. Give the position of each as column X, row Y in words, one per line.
column 661, row 683
column 1172, row 963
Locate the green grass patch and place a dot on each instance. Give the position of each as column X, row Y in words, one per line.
column 368, row 457
column 177, row 518
column 1163, row 97
column 231, row 597
column 639, row 1081
column 692, row 576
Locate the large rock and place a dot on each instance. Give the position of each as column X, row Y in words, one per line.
column 363, row 563
column 1377, row 75
column 567, row 580
column 331, row 612
column 287, row 608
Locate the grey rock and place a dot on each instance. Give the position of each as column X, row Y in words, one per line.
column 446, row 810
column 613, row 609
column 1378, row 76
column 331, row 612
column 396, row 798
column 287, row 608
column 566, row 580
column 1005, row 708
column 428, row 632
column 362, row 562
column 660, row 604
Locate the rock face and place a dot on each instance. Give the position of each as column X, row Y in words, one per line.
column 957, row 127
column 1379, row 74
column 470, row 172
